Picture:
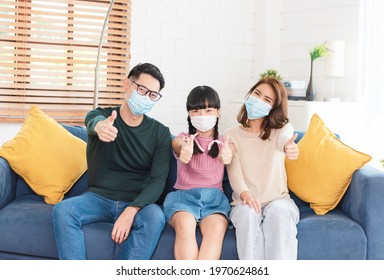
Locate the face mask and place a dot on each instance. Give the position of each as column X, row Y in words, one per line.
column 257, row 108
column 203, row 123
column 140, row 104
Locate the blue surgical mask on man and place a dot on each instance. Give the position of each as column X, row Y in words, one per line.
column 140, row 104
column 256, row 108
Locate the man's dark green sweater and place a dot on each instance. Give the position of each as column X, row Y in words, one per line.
column 134, row 167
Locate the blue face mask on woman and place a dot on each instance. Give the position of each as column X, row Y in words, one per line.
column 140, row 104
column 256, row 108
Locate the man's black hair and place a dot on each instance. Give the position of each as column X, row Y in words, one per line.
column 149, row 69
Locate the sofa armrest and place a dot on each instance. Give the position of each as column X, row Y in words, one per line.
column 364, row 203
column 7, row 183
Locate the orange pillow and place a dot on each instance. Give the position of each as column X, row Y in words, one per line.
column 324, row 169
column 48, row 157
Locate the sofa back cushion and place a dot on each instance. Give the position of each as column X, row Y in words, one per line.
column 78, row 131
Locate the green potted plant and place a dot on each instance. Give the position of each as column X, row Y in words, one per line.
column 315, row 52
column 270, row 73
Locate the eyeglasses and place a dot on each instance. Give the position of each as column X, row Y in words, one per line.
column 142, row 90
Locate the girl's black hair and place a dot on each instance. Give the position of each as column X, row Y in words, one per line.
column 202, row 97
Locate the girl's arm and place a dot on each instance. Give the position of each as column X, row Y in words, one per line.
column 176, row 145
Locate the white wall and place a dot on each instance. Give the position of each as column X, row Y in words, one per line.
column 196, row 42
column 306, row 23
column 226, row 44
column 8, row 131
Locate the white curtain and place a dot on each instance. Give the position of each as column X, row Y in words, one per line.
column 371, row 78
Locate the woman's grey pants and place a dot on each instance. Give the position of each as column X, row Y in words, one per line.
column 269, row 235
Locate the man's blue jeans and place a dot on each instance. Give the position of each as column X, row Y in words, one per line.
column 70, row 215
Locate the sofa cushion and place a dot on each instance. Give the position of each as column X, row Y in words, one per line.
column 329, row 237
column 26, row 229
column 78, row 131
column 324, row 169
column 46, row 156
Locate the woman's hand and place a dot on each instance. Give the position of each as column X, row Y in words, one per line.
column 291, row 149
column 249, row 200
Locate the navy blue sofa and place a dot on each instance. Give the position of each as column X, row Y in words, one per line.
column 354, row 230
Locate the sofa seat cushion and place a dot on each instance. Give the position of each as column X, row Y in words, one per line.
column 26, row 228
column 341, row 238
column 165, row 248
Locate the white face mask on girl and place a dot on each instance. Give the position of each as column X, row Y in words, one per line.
column 203, row 123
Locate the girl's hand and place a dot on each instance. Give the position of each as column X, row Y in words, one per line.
column 248, row 199
column 186, row 150
column 225, row 155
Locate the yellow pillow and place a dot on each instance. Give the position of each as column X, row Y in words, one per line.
column 48, row 157
column 324, row 169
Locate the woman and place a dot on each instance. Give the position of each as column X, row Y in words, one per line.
column 263, row 213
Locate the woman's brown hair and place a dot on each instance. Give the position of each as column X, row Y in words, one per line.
column 278, row 116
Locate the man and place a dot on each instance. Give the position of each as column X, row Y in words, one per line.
column 128, row 157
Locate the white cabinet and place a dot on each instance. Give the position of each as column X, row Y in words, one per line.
column 339, row 117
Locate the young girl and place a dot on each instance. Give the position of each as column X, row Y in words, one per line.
column 199, row 198
column 263, row 213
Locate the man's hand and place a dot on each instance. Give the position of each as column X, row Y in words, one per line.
column 186, row 150
column 123, row 224
column 105, row 129
column 291, row 149
column 225, row 155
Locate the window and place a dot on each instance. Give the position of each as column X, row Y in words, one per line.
column 48, row 53
column 371, row 94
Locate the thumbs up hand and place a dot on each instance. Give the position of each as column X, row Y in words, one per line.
column 105, row 129
column 186, row 150
column 291, row 149
column 225, row 155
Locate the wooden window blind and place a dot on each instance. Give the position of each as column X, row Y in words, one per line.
column 48, row 53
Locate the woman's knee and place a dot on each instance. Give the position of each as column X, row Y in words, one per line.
column 245, row 216
column 282, row 209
